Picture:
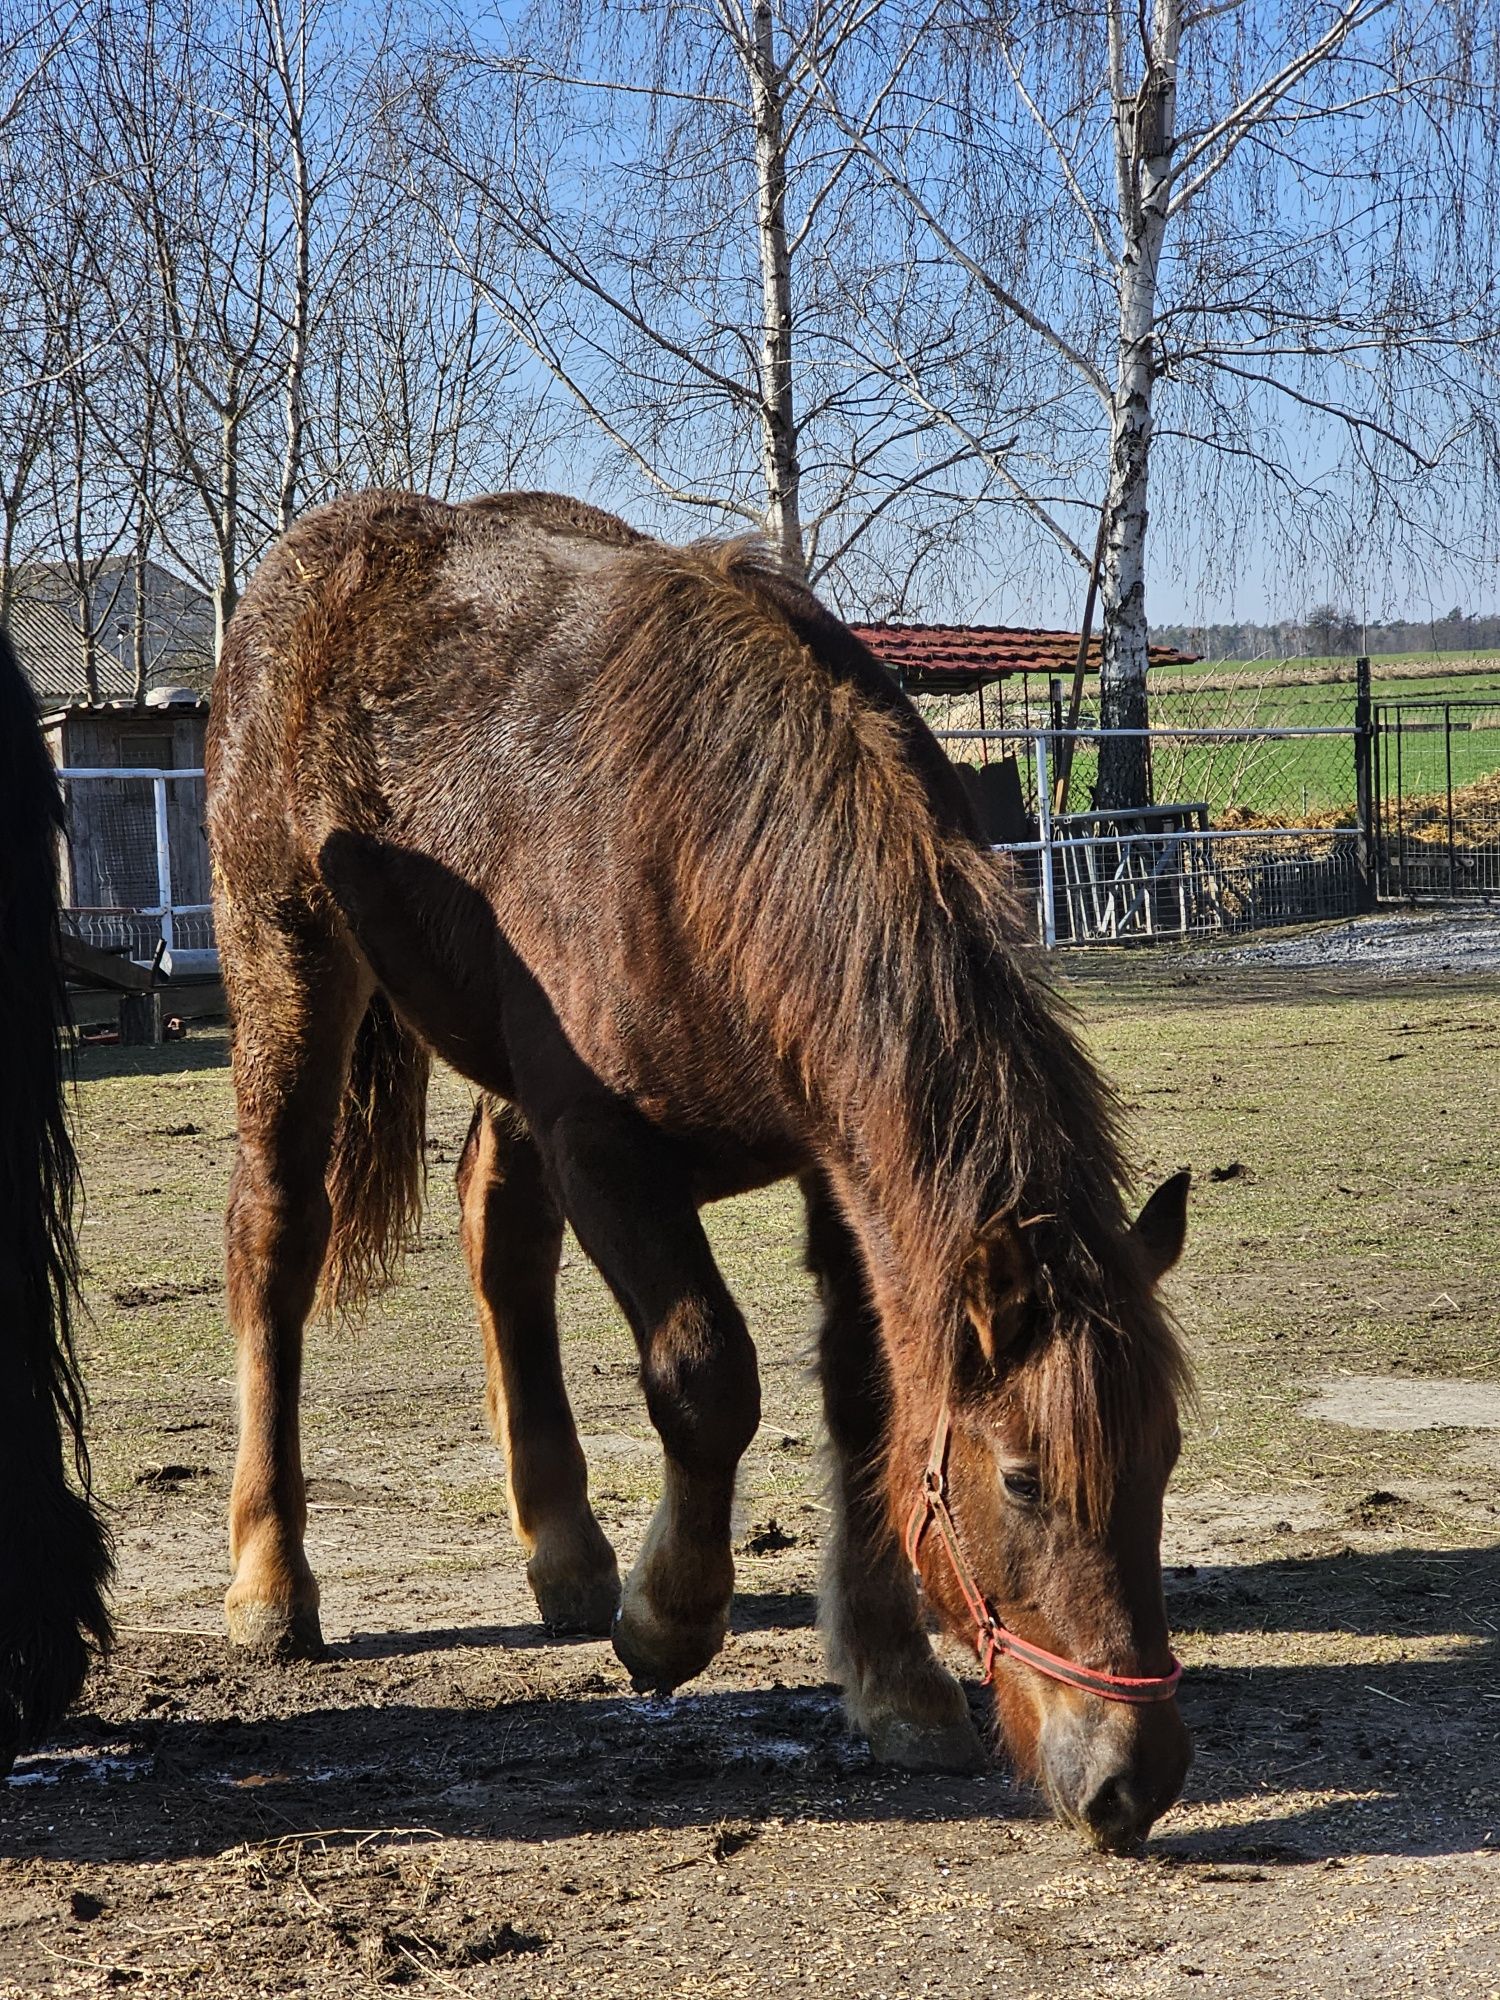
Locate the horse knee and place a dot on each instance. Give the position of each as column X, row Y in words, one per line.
column 702, row 1386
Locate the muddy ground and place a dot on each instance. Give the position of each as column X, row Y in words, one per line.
column 455, row 1803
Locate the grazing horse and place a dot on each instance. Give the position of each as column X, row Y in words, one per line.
column 644, row 843
column 54, row 1556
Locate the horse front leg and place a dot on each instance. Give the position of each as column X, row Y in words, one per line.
column 633, row 1212
column 897, row 1693
column 512, row 1235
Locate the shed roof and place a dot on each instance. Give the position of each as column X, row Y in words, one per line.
column 955, row 659
column 45, row 625
column 49, row 647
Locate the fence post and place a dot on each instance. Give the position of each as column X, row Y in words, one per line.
column 1044, row 835
column 163, row 859
column 1367, row 843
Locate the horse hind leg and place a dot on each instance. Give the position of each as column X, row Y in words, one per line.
column 297, row 1005
column 897, row 1693
column 512, row 1235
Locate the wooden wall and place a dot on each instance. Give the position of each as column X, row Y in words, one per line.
column 111, row 845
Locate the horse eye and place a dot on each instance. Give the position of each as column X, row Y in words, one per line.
column 1023, row 1486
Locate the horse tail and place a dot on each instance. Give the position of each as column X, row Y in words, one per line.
column 376, row 1170
column 54, row 1552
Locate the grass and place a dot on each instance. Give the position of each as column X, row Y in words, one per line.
column 1358, row 1232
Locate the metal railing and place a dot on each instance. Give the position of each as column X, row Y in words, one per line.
column 1123, row 879
column 1437, row 796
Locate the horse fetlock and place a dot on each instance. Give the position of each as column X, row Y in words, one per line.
column 662, row 1648
column 576, row 1581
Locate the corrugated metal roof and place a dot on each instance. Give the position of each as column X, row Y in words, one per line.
column 49, row 647
column 49, row 641
column 955, row 659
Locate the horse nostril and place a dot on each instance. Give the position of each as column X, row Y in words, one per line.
column 1115, row 1814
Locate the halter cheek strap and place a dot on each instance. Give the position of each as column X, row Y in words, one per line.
column 992, row 1636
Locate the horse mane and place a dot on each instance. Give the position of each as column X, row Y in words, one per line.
column 837, row 885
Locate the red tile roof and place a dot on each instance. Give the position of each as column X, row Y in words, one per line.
column 954, row 659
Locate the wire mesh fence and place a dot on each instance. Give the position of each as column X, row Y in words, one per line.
column 1253, row 751
column 1224, row 882
column 135, row 860
column 1184, row 866
column 1277, row 801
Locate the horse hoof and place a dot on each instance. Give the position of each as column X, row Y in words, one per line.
column 659, row 1656
column 272, row 1632
column 577, row 1604
column 925, row 1746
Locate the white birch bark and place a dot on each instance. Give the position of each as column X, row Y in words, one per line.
column 777, row 413
column 1144, row 123
column 226, row 590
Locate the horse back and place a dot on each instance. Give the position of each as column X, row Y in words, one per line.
column 516, row 731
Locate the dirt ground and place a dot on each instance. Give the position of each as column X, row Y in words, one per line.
column 452, row 1802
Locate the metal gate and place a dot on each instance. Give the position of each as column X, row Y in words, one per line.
column 1437, row 797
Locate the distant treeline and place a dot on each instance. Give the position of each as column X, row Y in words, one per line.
column 1329, row 631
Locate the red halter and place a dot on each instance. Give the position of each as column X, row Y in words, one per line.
column 992, row 1637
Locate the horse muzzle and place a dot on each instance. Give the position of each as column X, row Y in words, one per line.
column 1113, row 1773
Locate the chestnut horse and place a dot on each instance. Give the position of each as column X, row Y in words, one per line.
column 644, row 843
column 54, row 1555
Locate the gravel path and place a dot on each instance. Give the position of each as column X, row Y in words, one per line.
column 1433, row 941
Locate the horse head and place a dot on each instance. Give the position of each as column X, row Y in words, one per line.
column 1035, row 1522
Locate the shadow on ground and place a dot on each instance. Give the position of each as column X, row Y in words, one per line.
column 1295, row 1762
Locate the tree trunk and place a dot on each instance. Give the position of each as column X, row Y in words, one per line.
column 777, row 407
column 226, row 584
column 1124, row 763
column 290, row 72
column 82, row 587
column 1144, row 125
column 138, row 661
column 8, row 557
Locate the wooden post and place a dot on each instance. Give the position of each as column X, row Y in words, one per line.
column 140, row 1020
column 1367, row 844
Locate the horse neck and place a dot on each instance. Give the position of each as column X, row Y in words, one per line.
column 1028, row 1134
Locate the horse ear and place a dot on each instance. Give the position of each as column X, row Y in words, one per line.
column 997, row 1283
column 1160, row 1230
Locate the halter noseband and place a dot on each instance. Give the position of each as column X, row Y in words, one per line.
column 992, row 1636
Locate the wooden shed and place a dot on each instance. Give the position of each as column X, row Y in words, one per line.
column 136, row 860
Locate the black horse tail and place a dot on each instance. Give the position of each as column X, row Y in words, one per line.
column 54, row 1552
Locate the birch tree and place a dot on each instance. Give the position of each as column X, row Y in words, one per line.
column 272, row 287
column 1242, row 254
column 33, row 356
column 656, row 202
